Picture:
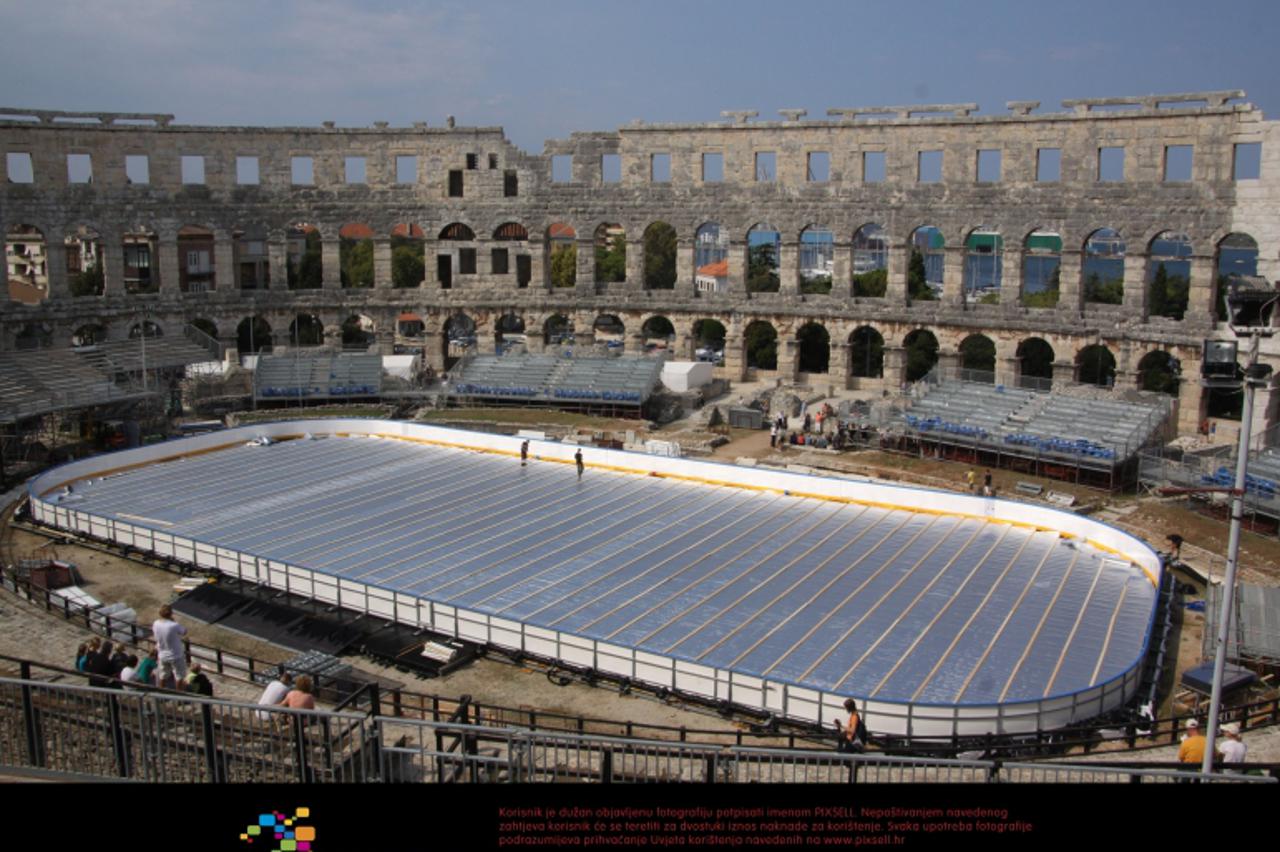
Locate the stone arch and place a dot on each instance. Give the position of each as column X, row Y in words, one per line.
column 251, row 257
column 1036, row 359
column 660, row 246
column 814, row 344
column 408, row 256
column 1041, row 268
column 871, row 261
column 760, row 343
column 508, row 331
column 926, row 265
column 1235, row 254
column 1096, row 365
column 358, row 332
column 609, row 327
column 196, row 259
column 922, row 353
column 764, row 253
column 253, row 335
column 1168, row 274
column 33, row 335
column 459, row 336
column 866, row 353
column 141, row 248
column 817, row 259
column 562, row 255
column 457, row 232
column 306, row 330
column 27, row 259
column 1160, row 371
column 89, row 334
column 978, row 358
column 557, row 328
column 512, row 237
column 205, row 326
column 83, row 250
column 304, row 262
column 456, row 253
column 1102, row 267
column 709, row 333
column 711, row 258
column 611, row 253
column 658, row 332
column 983, row 265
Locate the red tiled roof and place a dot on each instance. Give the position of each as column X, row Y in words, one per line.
column 719, row 269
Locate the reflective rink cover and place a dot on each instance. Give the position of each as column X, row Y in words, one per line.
column 866, row 600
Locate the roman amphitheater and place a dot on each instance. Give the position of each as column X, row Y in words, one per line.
column 1029, row 243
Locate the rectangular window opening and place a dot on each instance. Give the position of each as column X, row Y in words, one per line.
column 712, row 168
column 510, row 183
column 873, row 166
column 1177, row 163
column 354, row 169
column 1111, row 164
column 406, row 168
column 493, row 161
column 660, row 168
column 500, row 263
column 611, row 168
column 471, row 162
column 1048, row 165
column 247, row 171
column 18, row 167
column 79, row 168
column 455, row 183
column 467, row 261
column 766, row 166
column 819, row 167
column 561, row 168
column 192, row 169
column 989, row 165
column 929, row 167
column 137, row 169
column 302, row 171
column 1247, row 161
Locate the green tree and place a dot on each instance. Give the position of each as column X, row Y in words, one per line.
column 918, row 289
column 1168, row 294
column 611, row 263
column 356, row 263
column 308, row 273
column 408, row 263
column 762, row 269
column 922, row 355
column 660, row 257
column 866, row 354
column 1109, row 292
column 761, row 343
column 872, row 285
column 1046, row 298
column 89, row 282
column 818, row 284
column 564, row 265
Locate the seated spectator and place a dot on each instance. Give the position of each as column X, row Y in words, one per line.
column 98, row 666
column 119, row 659
column 82, row 654
column 146, row 668
column 300, row 697
column 129, row 674
column 275, row 693
column 198, row 682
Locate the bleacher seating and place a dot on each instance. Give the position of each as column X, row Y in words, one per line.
column 547, row 378
column 1045, row 423
column 321, row 375
column 39, row 381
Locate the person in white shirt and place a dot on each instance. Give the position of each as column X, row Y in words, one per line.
column 275, row 693
column 1232, row 748
column 171, row 667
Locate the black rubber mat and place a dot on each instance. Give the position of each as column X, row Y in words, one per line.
column 208, row 602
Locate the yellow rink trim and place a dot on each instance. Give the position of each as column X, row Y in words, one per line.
column 854, row 501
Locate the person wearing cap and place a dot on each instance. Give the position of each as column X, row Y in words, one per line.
column 1232, row 749
column 1192, row 748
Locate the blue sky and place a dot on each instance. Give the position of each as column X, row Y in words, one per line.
column 543, row 70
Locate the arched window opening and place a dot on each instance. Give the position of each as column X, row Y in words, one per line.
column 358, row 333
column 27, row 261
column 928, row 260
column 253, row 335
column 611, row 254
column 659, row 257
column 195, row 259
column 1103, row 267
column 814, row 343
column 562, row 255
column 922, row 353
column 1041, row 268
column 89, row 334
column 1036, row 362
column 866, row 353
column 84, row 262
column 711, row 258
column 760, row 340
column 1169, row 275
column 306, row 330
column 1159, row 371
column 304, row 268
column 1237, row 255
column 978, row 358
column 983, row 267
column 251, row 258
column 355, row 256
column 817, row 259
column 764, row 250
column 557, row 329
column 709, row 336
column 408, row 256
column 871, row 261
column 141, row 250
column 1096, row 366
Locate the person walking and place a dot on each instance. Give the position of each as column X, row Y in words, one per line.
column 577, row 460
column 773, row 435
column 524, row 453
column 1232, row 749
column 986, row 484
column 972, row 479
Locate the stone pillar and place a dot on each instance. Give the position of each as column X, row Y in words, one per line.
column 737, row 271
column 583, row 339
column 735, row 357
column 382, row 263
column 634, row 343
column 386, row 340
column 1011, row 277
column 948, row 364
column 635, row 264
column 838, row 364
column 586, row 268
column 1070, row 270
column 684, row 266
column 896, row 285
column 278, row 264
column 55, row 252
column 433, row 349
column 1192, row 399
column 953, row 276
column 789, row 267
column 1135, row 286
column 1064, row 373
column 331, row 261
column 895, row 367
column 1200, row 302
column 842, row 269
column 1009, row 371
column 112, row 265
column 225, row 274
column 168, row 263
column 788, row 358
column 1128, row 376
column 685, row 345
column 537, row 266
column 1266, row 400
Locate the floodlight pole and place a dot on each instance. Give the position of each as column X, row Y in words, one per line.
column 1233, row 556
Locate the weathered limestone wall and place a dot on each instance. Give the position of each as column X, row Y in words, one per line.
column 1074, row 205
